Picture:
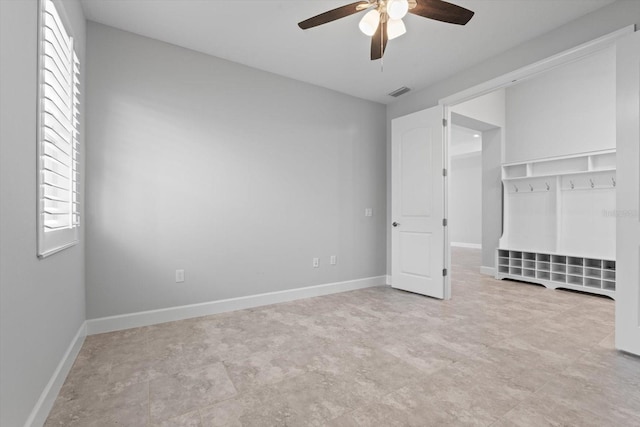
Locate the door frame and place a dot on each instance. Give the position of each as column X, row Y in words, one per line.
column 509, row 79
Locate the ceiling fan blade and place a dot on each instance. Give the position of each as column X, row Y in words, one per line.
column 379, row 41
column 442, row 11
column 333, row 14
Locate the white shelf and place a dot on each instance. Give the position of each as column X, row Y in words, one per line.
column 553, row 175
column 596, row 161
column 594, row 275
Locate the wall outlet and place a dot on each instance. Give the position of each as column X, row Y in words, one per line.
column 368, row 212
column 179, row 276
column 333, row 260
column 316, row 262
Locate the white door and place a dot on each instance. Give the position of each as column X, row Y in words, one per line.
column 628, row 200
column 417, row 203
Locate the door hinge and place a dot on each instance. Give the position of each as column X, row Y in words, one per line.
column 444, row 172
column 444, row 222
column 444, row 122
column 444, row 272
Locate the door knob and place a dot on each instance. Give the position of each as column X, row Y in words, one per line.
column 395, row 224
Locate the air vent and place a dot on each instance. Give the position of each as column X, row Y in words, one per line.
column 401, row 91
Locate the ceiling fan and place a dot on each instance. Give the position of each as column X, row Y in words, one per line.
column 384, row 22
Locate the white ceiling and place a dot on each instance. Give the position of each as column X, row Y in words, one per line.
column 264, row 34
column 464, row 141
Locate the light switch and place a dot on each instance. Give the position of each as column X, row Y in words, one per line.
column 179, row 276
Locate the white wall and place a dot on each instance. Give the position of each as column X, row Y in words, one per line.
column 42, row 302
column 586, row 28
column 238, row 176
column 491, row 194
column 488, row 108
column 465, row 199
column 570, row 109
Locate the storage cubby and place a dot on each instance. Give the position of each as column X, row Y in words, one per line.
column 558, row 271
column 543, row 266
column 560, row 278
column 566, row 165
column 556, row 228
column 575, row 270
column 594, row 263
column 543, row 257
column 593, row 273
column 575, row 261
column 575, row 280
column 593, row 283
column 515, row 171
column 543, row 275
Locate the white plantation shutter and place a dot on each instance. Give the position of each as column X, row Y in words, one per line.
column 58, row 119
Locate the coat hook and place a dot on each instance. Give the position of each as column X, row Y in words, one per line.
column 530, row 187
column 592, row 184
column 613, row 180
column 547, row 184
column 572, row 186
column 516, row 187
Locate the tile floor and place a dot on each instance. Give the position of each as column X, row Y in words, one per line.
column 497, row 354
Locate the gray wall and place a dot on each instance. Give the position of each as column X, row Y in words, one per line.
column 487, row 114
column 586, row 28
column 237, row 176
column 465, row 198
column 570, row 109
column 42, row 302
column 491, row 194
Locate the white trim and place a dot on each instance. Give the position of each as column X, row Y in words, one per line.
column 42, row 408
column 488, row 271
column 466, row 245
column 152, row 317
column 541, row 66
column 388, row 279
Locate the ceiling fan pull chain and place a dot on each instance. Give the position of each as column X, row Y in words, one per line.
column 382, row 48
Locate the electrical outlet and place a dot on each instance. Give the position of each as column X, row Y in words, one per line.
column 333, row 260
column 316, row 262
column 179, row 276
column 368, row 212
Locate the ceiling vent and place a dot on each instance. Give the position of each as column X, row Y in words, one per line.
column 400, row 91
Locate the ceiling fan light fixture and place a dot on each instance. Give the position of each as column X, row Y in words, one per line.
column 395, row 28
column 397, row 9
column 369, row 22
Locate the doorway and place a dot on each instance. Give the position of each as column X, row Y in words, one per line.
column 541, row 130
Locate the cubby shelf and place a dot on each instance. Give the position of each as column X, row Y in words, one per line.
column 554, row 271
column 598, row 161
column 559, row 222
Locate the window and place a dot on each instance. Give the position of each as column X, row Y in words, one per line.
column 58, row 81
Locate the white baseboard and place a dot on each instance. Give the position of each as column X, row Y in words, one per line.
column 466, row 245
column 489, row 271
column 42, row 408
column 152, row 317
column 388, row 279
